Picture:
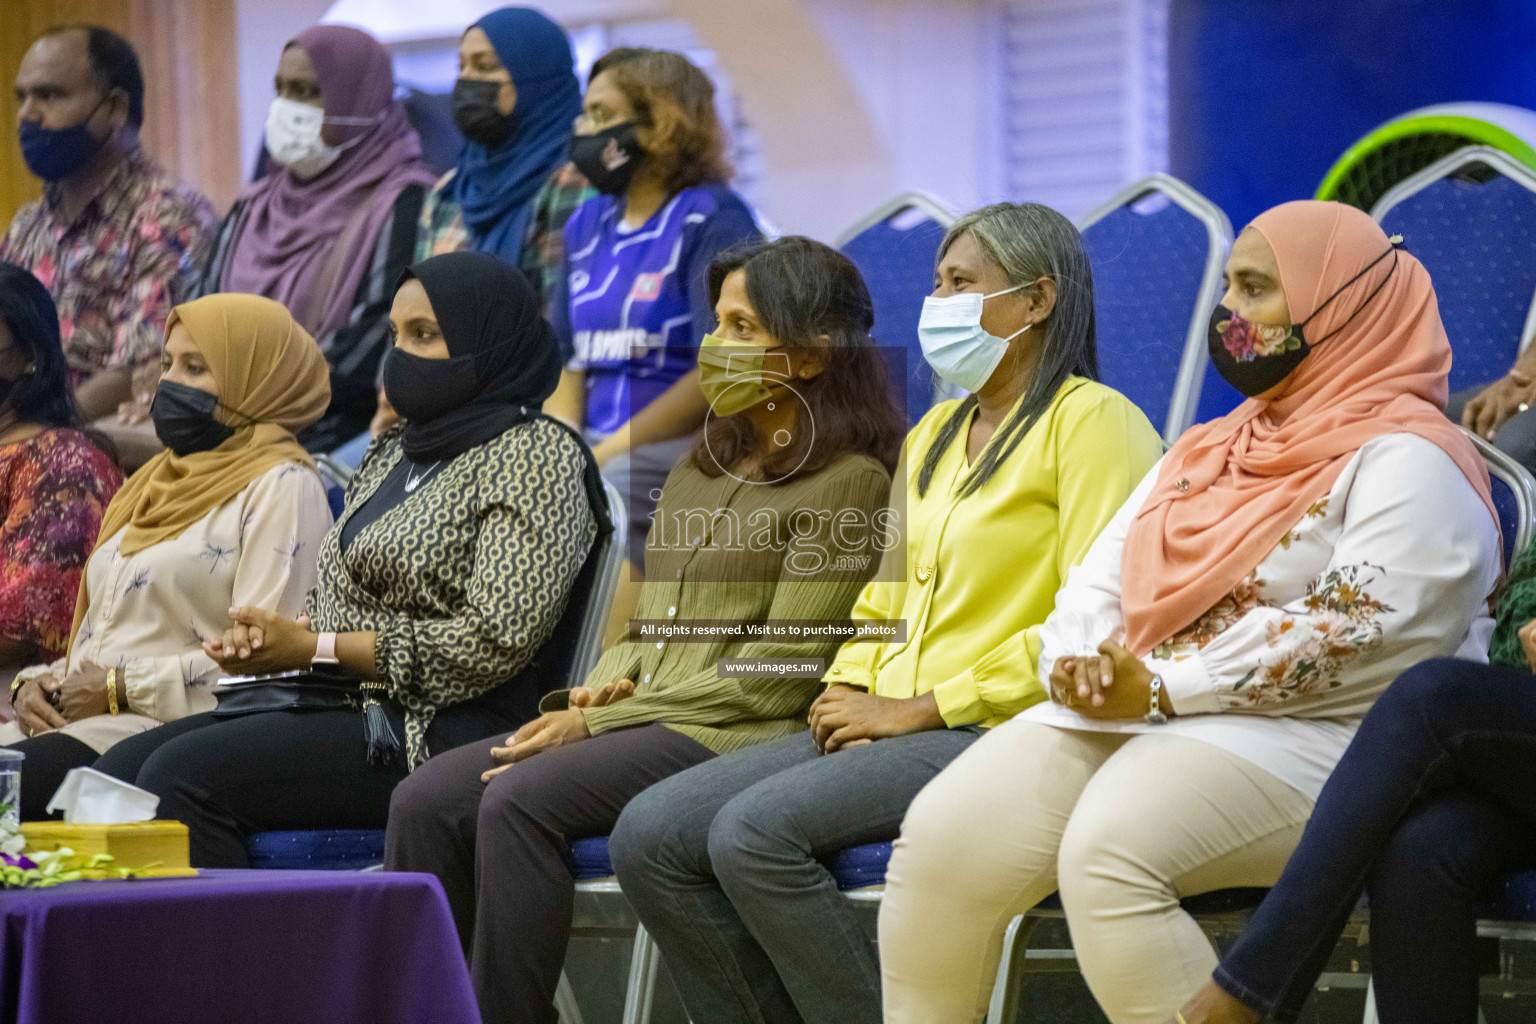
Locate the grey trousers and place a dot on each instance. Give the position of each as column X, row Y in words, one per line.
column 722, row 863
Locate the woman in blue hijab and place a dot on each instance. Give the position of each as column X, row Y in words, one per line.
column 515, row 102
column 513, row 188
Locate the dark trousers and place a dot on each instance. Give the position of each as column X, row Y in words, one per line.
column 722, row 863
column 1433, row 799
column 49, row 758
column 225, row 778
column 500, row 849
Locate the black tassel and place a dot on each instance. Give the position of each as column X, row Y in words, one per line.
column 383, row 743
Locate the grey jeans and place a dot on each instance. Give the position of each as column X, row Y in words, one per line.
column 722, row 863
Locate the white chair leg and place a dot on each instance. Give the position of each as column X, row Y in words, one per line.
column 640, row 992
column 565, row 1002
column 1004, row 990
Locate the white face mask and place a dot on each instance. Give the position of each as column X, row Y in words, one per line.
column 954, row 342
column 293, row 137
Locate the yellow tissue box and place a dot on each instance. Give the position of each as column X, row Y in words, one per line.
column 134, row 846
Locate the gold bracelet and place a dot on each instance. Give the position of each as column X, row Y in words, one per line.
column 112, row 690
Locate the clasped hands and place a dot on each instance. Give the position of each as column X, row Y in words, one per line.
column 845, row 716
column 557, row 728
column 1115, row 684
column 260, row 642
column 48, row 702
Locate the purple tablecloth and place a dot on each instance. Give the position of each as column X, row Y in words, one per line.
column 274, row 947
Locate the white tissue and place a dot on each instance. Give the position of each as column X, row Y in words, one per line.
column 89, row 797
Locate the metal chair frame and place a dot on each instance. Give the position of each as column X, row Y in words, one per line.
column 926, row 202
column 1218, row 229
column 589, row 645
column 1445, row 167
column 1521, row 482
column 333, row 469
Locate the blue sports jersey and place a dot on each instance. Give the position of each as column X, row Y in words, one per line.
column 632, row 305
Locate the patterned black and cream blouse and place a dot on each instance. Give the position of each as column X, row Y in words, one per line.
column 465, row 579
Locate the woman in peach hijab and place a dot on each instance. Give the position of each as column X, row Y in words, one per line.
column 1214, row 653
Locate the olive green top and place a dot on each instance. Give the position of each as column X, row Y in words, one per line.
column 724, row 550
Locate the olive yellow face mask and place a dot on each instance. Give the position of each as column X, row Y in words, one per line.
column 732, row 374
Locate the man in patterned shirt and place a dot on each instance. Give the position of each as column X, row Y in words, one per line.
column 115, row 239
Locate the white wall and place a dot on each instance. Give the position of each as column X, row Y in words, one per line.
column 263, row 28
column 920, row 69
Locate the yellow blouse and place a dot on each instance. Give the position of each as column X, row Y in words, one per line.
column 982, row 571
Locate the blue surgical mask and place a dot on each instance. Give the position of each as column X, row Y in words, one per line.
column 954, row 343
column 53, row 154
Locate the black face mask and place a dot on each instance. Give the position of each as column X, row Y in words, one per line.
column 1255, row 357
column 475, row 113
column 6, row 387
column 423, row 389
column 609, row 158
column 184, row 420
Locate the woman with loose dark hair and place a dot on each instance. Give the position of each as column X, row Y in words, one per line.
column 54, row 482
column 634, row 298
column 777, row 545
column 808, row 295
column 1005, row 490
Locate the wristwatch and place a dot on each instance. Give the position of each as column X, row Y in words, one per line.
column 325, row 650
column 1155, row 715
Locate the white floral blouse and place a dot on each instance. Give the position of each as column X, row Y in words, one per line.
column 1393, row 566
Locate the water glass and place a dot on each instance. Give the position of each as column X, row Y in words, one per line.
column 10, row 789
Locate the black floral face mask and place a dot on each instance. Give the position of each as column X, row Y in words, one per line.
column 1255, row 357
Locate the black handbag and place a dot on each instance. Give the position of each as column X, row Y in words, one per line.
column 319, row 688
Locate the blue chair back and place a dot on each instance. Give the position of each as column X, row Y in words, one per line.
column 1157, row 251
column 335, row 475
column 894, row 247
column 336, row 497
column 1470, row 218
column 1514, row 498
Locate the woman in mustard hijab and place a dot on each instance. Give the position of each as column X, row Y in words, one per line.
column 230, row 514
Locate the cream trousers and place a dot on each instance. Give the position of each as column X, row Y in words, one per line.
column 1123, row 825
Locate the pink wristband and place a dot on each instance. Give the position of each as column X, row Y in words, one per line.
column 325, row 650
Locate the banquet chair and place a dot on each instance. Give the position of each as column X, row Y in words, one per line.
column 895, row 247
column 1470, row 218
column 572, row 651
column 1157, row 249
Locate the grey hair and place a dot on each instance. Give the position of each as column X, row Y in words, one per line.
column 1027, row 242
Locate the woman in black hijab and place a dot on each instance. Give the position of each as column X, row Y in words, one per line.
column 463, row 535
